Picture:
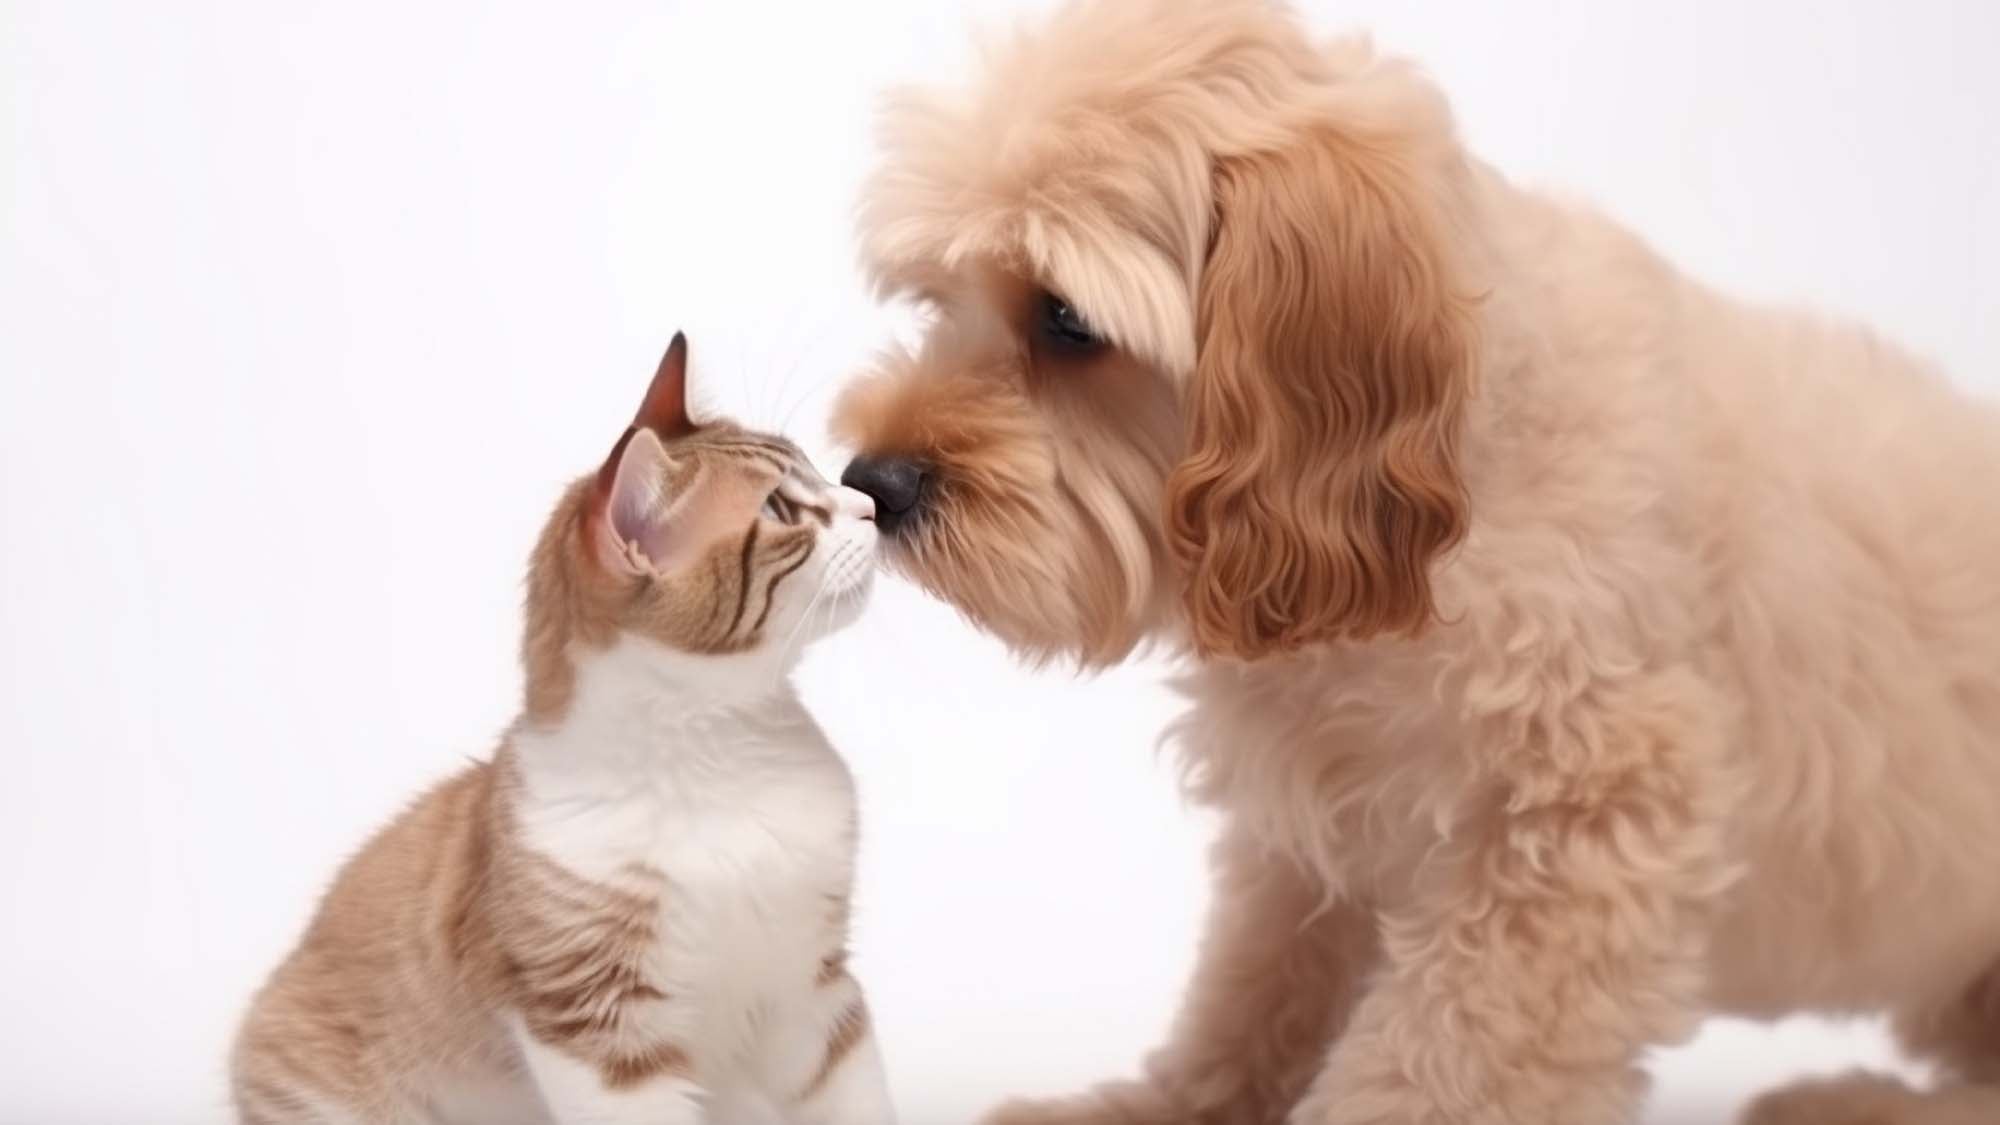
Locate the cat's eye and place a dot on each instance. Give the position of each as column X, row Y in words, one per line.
column 1063, row 328
column 779, row 507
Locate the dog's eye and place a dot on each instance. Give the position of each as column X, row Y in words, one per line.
column 1064, row 327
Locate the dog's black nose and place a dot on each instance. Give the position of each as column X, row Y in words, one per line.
column 895, row 483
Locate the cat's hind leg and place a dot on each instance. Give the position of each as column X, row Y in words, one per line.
column 286, row 1070
column 270, row 1101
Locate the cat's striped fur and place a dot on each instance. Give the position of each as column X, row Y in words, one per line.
column 637, row 911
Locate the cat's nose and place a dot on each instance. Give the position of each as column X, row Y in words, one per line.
column 853, row 504
column 896, row 484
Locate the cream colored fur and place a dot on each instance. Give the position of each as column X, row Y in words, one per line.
column 636, row 913
column 1703, row 710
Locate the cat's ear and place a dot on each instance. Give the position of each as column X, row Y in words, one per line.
column 632, row 518
column 664, row 410
column 638, row 528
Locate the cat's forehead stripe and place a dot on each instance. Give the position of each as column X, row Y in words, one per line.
column 733, row 440
column 777, row 459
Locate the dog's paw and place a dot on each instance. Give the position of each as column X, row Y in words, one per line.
column 1120, row 1103
column 1859, row 1098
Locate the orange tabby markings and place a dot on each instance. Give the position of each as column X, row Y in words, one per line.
column 832, row 967
column 849, row 1029
column 541, row 934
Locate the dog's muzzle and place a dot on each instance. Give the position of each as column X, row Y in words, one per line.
column 896, row 484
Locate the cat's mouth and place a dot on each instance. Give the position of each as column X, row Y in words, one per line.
column 850, row 570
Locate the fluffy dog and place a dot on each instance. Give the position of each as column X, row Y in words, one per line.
column 1573, row 651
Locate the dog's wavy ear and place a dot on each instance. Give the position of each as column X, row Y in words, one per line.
column 1335, row 348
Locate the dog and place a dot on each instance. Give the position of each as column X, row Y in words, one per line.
column 1573, row 651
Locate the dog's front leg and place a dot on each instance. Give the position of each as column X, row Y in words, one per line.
column 1559, row 931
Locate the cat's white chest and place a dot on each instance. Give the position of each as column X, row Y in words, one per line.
column 714, row 818
column 742, row 824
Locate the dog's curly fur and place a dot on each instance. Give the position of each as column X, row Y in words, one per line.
column 1574, row 651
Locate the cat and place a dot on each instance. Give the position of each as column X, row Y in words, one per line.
column 637, row 910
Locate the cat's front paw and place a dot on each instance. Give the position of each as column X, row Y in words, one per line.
column 1118, row 1103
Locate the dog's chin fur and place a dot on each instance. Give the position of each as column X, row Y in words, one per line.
column 1574, row 651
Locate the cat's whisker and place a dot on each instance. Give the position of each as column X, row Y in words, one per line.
column 775, row 388
column 775, row 391
column 818, row 338
column 761, row 395
column 784, row 383
column 811, row 391
column 809, row 395
column 825, row 583
column 799, row 626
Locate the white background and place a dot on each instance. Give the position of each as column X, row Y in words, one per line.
column 309, row 310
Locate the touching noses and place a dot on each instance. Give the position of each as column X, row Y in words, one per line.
column 896, row 484
column 853, row 504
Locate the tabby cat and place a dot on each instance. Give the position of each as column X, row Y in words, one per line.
column 637, row 910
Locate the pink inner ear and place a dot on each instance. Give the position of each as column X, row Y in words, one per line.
column 664, row 409
column 642, row 524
